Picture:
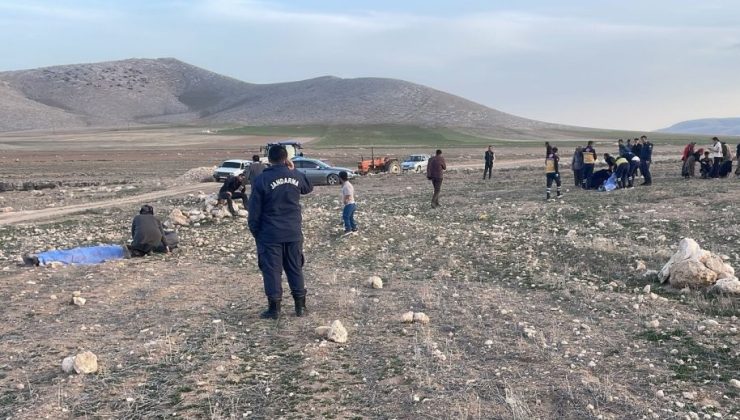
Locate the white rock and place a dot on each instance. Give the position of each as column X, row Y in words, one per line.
column 421, row 317
column 652, row 324
column 640, row 266
column 86, row 362
column 79, row 301
column 408, row 317
column 688, row 249
column 375, row 282
column 691, row 273
column 337, row 333
column 488, row 342
column 68, row 364
column 727, row 285
column 178, row 218
column 322, row 331
column 659, row 393
column 646, row 289
column 735, row 383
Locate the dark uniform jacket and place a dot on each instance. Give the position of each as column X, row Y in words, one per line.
column 147, row 233
column 231, row 184
column 489, row 157
column 646, row 152
column 436, row 167
column 274, row 207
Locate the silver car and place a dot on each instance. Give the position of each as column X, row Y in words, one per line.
column 319, row 172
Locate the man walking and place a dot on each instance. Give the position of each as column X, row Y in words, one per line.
column 435, row 169
column 275, row 222
column 552, row 171
column 646, row 156
column 234, row 187
column 489, row 158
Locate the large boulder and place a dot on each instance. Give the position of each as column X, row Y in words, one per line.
column 688, row 249
column 691, row 273
column 695, row 268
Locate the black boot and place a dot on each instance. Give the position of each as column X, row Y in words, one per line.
column 300, row 306
column 273, row 311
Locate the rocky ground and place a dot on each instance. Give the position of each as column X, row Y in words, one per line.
column 536, row 309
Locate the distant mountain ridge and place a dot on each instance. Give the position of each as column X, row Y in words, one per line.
column 166, row 90
column 707, row 126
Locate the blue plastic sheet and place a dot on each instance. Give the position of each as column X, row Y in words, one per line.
column 83, row 255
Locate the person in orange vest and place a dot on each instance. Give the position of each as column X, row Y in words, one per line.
column 552, row 172
column 589, row 159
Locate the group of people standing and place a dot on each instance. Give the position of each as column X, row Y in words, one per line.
column 715, row 162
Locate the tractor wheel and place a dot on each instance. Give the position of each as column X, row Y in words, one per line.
column 332, row 179
column 393, row 167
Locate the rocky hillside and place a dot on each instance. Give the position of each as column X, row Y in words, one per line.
column 144, row 91
column 707, row 126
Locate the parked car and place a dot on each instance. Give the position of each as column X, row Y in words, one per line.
column 416, row 163
column 230, row 167
column 319, row 172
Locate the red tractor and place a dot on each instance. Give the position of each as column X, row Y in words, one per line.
column 378, row 165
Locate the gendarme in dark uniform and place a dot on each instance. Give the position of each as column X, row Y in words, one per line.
column 275, row 222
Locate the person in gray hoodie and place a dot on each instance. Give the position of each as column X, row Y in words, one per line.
column 576, row 164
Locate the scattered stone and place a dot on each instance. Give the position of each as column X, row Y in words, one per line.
column 646, row 289
column 86, row 362
column 375, row 282
column 640, row 266
column 728, row 285
column 177, row 218
column 652, row 324
column 421, row 317
column 659, row 393
column 337, row 333
column 735, row 383
column 407, row 317
column 488, row 343
column 78, row 300
column 68, row 364
column 322, row 331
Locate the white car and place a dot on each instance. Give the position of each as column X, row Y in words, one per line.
column 230, row 167
column 415, row 163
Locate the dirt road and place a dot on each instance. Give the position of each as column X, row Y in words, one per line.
column 56, row 212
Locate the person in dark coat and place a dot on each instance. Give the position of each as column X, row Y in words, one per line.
column 489, row 157
column 646, row 157
column 576, row 164
column 148, row 235
column 234, row 187
column 275, row 222
column 435, row 171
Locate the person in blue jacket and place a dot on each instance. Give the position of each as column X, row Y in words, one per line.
column 646, row 156
column 275, row 222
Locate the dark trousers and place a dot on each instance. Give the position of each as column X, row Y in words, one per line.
column 488, row 170
column 578, row 176
column 437, row 184
column 645, row 169
column 272, row 259
column 621, row 173
column 348, row 216
column 553, row 176
column 632, row 172
column 588, row 170
column 235, row 194
column 716, row 166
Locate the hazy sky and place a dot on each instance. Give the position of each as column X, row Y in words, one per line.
column 628, row 64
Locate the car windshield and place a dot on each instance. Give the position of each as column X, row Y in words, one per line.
column 415, row 158
column 231, row 165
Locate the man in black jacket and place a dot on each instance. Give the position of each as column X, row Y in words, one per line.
column 489, row 157
column 646, row 157
column 275, row 222
column 234, row 187
column 148, row 234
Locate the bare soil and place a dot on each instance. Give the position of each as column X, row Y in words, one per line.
column 537, row 310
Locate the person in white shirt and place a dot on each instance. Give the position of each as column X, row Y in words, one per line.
column 348, row 200
column 715, row 151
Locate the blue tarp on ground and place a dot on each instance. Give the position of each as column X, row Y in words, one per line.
column 83, row 255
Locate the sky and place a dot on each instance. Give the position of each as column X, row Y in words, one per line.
column 639, row 65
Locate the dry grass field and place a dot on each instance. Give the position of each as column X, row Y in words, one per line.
column 537, row 308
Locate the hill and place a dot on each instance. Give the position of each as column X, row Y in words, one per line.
column 166, row 90
column 707, row 126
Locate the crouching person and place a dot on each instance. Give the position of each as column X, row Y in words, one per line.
column 148, row 234
column 275, row 222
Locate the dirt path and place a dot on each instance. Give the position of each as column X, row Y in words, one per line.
column 56, row 212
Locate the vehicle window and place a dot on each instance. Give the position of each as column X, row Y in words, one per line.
column 298, row 164
column 230, row 165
